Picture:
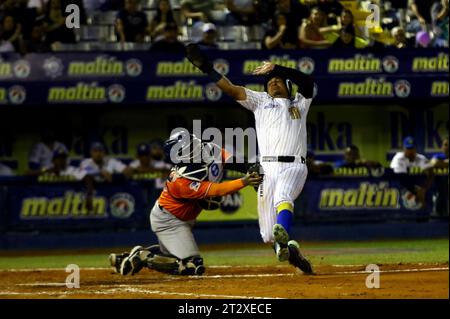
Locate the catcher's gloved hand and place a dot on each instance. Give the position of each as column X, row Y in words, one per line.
column 200, row 60
column 256, row 168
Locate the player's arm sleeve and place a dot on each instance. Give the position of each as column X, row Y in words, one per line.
column 225, row 188
column 253, row 99
column 305, row 83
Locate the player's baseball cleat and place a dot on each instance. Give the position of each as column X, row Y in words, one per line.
column 280, row 234
column 115, row 260
column 126, row 266
column 282, row 252
column 281, row 237
column 297, row 259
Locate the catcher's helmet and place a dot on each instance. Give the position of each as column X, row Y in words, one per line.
column 191, row 156
column 281, row 75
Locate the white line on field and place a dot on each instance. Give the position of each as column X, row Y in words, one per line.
column 391, row 271
column 129, row 290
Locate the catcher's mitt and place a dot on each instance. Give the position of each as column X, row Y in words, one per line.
column 211, row 203
column 200, row 60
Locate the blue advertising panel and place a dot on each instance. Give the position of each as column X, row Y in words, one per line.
column 140, row 77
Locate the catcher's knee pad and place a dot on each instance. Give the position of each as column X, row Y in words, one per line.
column 192, row 266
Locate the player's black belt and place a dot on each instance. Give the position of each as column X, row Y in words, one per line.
column 283, row 159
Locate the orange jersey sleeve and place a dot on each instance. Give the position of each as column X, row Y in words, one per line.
column 225, row 188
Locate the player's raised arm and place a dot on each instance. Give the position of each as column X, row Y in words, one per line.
column 199, row 59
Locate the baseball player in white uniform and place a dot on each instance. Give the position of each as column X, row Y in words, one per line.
column 280, row 118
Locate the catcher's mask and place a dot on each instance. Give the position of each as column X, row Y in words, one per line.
column 275, row 74
column 190, row 155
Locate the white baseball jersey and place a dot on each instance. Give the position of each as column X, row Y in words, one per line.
column 400, row 163
column 42, row 155
column 281, row 131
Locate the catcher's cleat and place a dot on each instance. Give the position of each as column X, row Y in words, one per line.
column 126, row 266
column 297, row 259
column 281, row 240
column 115, row 260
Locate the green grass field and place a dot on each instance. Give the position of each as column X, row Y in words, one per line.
column 342, row 253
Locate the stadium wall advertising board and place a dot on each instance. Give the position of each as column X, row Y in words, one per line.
column 358, row 195
column 141, row 77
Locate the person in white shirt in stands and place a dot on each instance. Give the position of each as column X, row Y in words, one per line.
column 408, row 158
column 5, row 170
column 403, row 161
column 41, row 154
column 102, row 167
column 61, row 167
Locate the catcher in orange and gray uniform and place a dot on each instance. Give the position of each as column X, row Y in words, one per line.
column 190, row 187
column 280, row 117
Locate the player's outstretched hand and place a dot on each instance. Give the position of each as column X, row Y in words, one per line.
column 253, row 179
column 265, row 68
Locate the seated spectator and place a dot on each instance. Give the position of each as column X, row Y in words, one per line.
column 61, row 167
column 102, row 167
column 346, row 38
column 11, row 31
column 149, row 160
column 41, row 154
column 23, row 15
column 169, row 43
column 421, row 9
column 241, row 12
column 352, row 159
column 55, row 24
column 131, row 23
column 5, row 46
column 6, row 170
column 440, row 23
column 315, row 167
column 403, row 161
column 441, row 160
column 209, row 37
column 279, row 36
column 197, row 10
column 36, row 43
column 310, row 34
column 164, row 15
column 331, row 8
column 400, row 40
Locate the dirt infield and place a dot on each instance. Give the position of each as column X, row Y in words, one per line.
column 246, row 282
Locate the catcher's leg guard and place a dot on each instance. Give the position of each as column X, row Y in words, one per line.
column 192, row 266
column 174, row 266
